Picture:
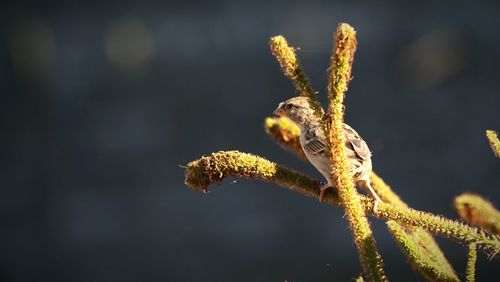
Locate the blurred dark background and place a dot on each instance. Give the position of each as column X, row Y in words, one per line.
column 102, row 103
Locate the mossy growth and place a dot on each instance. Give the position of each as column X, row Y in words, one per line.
column 470, row 271
column 478, row 211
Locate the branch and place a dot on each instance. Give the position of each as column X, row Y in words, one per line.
column 292, row 69
column 470, row 271
column 286, row 133
column 213, row 169
column 478, row 211
column 200, row 174
column 340, row 74
column 441, row 226
column 419, row 246
column 412, row 241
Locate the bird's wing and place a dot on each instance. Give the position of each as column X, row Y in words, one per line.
column 357, row 143
column 314, row 141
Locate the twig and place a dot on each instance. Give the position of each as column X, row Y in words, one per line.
column 470, row 271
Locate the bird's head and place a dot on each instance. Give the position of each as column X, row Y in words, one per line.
column 298, row 110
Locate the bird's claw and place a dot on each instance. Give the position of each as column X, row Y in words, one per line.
column 375, row 205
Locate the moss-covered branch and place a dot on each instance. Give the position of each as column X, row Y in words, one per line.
column 276, row 129
column 286, row 133
column 292, row 69
column 478, row 211
column 419, row 246
column 440, row 226
column 470, row 271
column 385, row 191
column 422, row 256
column 341, row 66
column 339, row 76
column 494, row 142
column 213, row 169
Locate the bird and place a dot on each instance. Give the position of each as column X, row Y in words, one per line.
column 313, row 142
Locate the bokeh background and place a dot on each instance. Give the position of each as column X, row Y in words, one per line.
column 101, row 104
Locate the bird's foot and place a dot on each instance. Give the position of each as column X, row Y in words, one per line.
column 325, row 186
column 375, row 196
column 375, row 205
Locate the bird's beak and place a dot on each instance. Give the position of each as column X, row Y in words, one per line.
column 279, row 110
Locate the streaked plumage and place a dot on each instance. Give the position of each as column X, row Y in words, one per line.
column 313, row 142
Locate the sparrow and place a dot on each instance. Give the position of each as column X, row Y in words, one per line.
column 313, row 142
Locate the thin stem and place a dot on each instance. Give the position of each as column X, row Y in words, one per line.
column 292, row 69
column 470, row 271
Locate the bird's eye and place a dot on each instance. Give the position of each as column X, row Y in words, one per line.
column 289, row 106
